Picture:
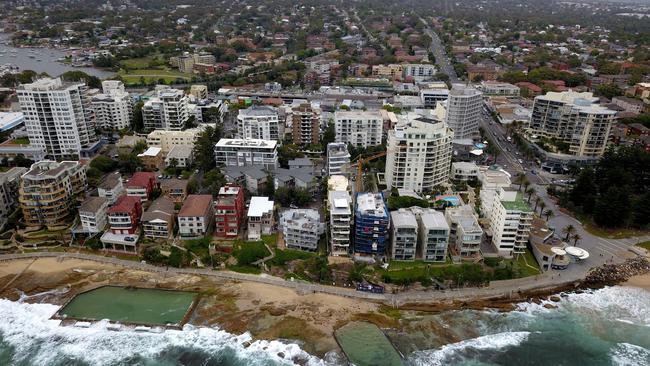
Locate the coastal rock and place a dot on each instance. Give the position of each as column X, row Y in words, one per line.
column 612, row 274
column 550, row 306
column 555, row 298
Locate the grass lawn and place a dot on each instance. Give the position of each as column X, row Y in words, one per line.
column 283, row 256
column 137, row 63
column 245, row 269
column 644, row 245
column 525, row 270
column 270, row 240
column 21, row 141
column 152, row 75
column 401, row 265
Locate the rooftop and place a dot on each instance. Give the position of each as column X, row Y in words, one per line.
column 161, row 209
column 110, row 181
column 196, row 205
column 260, row 206
column 371, row 204
column 433, row 219
column 518, row 204
column 152, row 151
column 403, row 218
column 268, row 144
column 124, row 204
column 258, row 111
column 141, row 179
column 92, row 204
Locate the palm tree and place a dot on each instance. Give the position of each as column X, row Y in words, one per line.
column 520, row 178
column 568, row 230
column 542, row 206
column 549, row 213
column 529, row 192
column 538, row 200
column 576, row 238
column 526, row 184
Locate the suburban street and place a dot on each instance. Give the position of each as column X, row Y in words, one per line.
column 438, row 50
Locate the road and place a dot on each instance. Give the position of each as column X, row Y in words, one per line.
column 438, row 50
column 496, row 289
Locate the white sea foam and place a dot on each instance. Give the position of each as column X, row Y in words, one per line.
column 450, row 352
column 36, row 338
column 621, row 303
column 625, row 354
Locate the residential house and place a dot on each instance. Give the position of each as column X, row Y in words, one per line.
column 261, row 220
column 123, row 220
column 174, row 189
column 92, row 214
column 158, row 220
column 196, row 216
column 111, row 187
column 141, row 185
column 229, row 211
column 301, row 228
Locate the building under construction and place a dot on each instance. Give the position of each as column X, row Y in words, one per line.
column 371, row 223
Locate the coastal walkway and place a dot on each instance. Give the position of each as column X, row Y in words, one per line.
column 496, row 289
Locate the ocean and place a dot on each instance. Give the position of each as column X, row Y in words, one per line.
column 609, row 326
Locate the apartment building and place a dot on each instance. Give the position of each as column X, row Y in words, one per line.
column 124, row 221
column 180, row 157
column 93, row 214
column 404, row 235
column 464, row 171
column 574, row 118
column 434, row 234
column 433, row 93
column 420, row 72
column 305, row 125
column 261, row 218
column 339, row 205
column 113, row 108
column 111, row 187
column 510, row 223
column 240, row 152
column 359, row 128
column 58, row 117
column 168, row 110
column 9, row 183
column 199, row 92
column 496, row 88
column 48, row 190
column 196, row 216
column 418, row 153
column 141, row 185
column 391, row 71
column 338, row 158
column 166, row 140
column 301, row 229
column 258, row 122
column 229, row 211
column 465, row 233
column 174, row 189
column 464, row 111
column 371, row 224
column 492, row 179
column 158, row 220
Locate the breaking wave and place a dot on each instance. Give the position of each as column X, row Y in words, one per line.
column 468, row 349
column 34, row 339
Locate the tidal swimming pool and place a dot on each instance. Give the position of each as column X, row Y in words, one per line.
column 131, row 305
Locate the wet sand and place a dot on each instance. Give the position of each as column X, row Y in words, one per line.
column 642, row 281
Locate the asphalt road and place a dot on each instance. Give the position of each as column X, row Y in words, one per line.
column 438, row 50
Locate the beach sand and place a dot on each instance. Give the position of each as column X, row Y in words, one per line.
column 642, row 281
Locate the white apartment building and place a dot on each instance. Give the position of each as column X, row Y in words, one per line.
column 404, row 235
column 465, row 234
column 113, row 108
column 420, row 72
column 496, row 88
column 93, row 214
column 492, row 179
column 464, row 171
column 9, row 183
column 168, row 110
column 338, row 158
column 239, row 152
column 258, row 122
column 181, row 155
column 301, row 229
column 463, row 111
column 359, row 128
column 58, row 117
column 574, row 118
column 432, row 93
column 418, row 153
column 434, row 234
column 166, row 140
column 196, row 217
column 339, row 204
column 111, row 187
column 510, row 223
column 260, row 217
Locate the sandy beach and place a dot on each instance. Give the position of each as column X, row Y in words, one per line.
column 642, row 281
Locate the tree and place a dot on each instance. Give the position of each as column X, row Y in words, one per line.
column 548, row 213
column 330, row 134
column 542, row 206
column 204, row 148
column 269, row 185
column 530, row 192
column 137, row 123
column 140, row 147
column 568, row 230
column 576, row 238
column 190, row 123
column 608, row 91
column 104, row 164
column 538, row 200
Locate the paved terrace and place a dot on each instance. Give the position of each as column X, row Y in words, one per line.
column 496, row 289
